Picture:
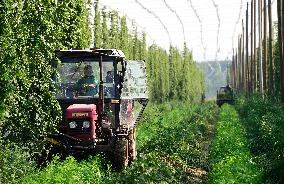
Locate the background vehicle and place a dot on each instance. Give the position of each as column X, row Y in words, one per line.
column 225, row 95
column 104, row 121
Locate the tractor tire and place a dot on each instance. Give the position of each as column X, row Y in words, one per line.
column 132, row 145
column 120, row 154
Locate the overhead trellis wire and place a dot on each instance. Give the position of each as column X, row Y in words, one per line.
column 157, row 17
column 178, row 17
column 237, row 22
column 201, row 28
column 218, row 30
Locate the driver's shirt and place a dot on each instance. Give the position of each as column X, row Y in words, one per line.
column 83, row 87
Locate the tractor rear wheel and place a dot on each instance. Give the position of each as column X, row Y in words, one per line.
column 120, row 153
column 132, row 145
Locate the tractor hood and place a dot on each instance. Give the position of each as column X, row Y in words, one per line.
column 81, row 111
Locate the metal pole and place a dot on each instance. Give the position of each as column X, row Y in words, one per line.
column 271, row 73
column 260, row 46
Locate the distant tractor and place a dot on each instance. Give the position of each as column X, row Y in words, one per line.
column 225, row 95
column 98, row 91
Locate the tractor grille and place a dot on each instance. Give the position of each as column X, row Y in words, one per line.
column 79, row 128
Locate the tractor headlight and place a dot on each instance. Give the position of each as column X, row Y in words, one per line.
column 86, row 124
column 73, row 124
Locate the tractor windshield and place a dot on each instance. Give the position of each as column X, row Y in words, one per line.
column 81, row 79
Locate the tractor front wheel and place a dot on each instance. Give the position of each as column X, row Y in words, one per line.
column 120, row 153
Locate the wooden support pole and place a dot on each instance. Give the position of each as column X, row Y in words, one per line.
column 233, row 78
column 260, row 47
column 254, row 47
column 247, row 55
column 264, row 47
column 243, row 58
column 240, row 62
column 271, row 65
column 280, row 5
column 236, row 69
column 251, row 52
column 231, row 73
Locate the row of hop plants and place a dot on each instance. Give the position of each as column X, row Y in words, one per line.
column 30, row 31
column 230, row 157
column 170, row 149
column 263, row 120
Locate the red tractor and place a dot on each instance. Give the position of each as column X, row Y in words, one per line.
column 98, row 91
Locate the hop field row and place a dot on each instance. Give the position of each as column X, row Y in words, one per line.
column 230, row 155
column 174, row 146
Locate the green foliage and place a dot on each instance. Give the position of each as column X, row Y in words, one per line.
column 171, row 144
column 263, row 119
column 31, row 31
column 135, row 45
column 230, row 156
column 143, row 48
column 92, row 170
column 105, row 36
column 158, row 73
column 15, row 163
column 114, row 29
column 39, row 28
column 97, row 27
column 124, row 37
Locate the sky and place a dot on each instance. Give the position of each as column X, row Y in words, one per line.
column 209, row 28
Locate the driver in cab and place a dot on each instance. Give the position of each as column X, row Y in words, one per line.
column 87, row 85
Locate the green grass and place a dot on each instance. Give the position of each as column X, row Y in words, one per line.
column 230, row 158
